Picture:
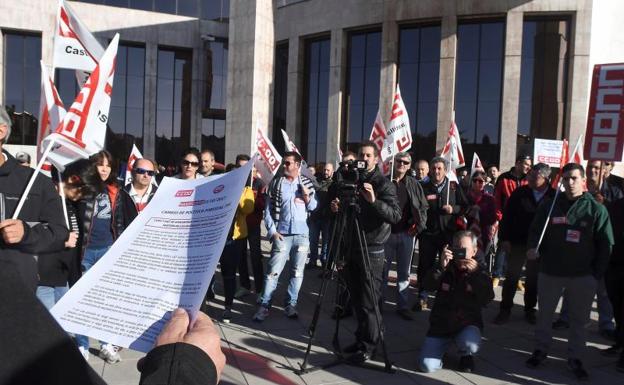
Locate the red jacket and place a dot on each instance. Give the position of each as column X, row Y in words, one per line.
column 505, row 185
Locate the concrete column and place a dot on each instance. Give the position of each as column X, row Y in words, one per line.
column 337, row 71
column 197, row 96
column 149, row 108
column 389, row 58
column 446, row 88
column 250, row 73
column 294, row 89
column 511, row 89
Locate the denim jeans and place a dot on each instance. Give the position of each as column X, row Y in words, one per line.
column 294, row 247
column 318, row 228
column 399, row 246
column 90, row 258
column 605, row 310
column 50, row 295
column 433, row 349
column 498, row 271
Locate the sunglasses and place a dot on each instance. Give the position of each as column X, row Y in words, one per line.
column 189, row 163
column 142, row 171
column 287, row 163
column 478, row 181
column 404, row 162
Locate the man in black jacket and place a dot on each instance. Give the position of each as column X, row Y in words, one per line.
column 446, row 202
column 513, row 232
column 40, row 226
column 463, row 289
column 379, row 208
column 400, row 244
column 135, row 196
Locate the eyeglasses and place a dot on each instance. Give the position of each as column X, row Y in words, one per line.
column 189, row 163
column 287, row 163
column 142, row 171
column 404, row 162
column 478, row 181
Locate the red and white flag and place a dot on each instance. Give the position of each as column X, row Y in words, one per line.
column 379, row 136
column 290, row 146
column 476, row 164
column 566, row 157
column 398, row 132
column 51, row 110
column 74, row 45
column 134, row 155
column 83, row 129
column 453, row 152
column 269, row 160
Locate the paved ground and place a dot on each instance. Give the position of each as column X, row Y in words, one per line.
column 269, row 352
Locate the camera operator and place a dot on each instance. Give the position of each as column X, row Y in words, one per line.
column 378, row 203
column 463, row 289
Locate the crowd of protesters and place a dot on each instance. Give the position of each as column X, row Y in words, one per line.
column 468, row 234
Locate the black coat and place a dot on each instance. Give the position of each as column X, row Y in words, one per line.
column 35, row 350
column 519, row 213
column 438, row 221
column 418, row 203
column 126, row 209
column 44, row 227
column 455, row 305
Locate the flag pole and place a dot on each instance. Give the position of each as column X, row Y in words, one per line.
column 32, row 179
column 541, row 238
column 62, row 194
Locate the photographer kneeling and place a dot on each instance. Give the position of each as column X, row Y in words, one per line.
column 463, row 288
column 378, row 208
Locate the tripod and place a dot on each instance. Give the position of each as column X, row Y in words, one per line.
column 339, row 247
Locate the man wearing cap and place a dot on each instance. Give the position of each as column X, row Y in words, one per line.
column 40, row 226
column 513, row 232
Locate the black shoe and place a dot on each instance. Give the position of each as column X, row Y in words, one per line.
column 210, row 295
column 406, row 314
column 502, row 317
column 354, row 347
column 611, row 351
column 608, row 334
column 530, row 317
column 466, row 364
column 360, row 356
column 536, row 359
column 560, row 324
column 576, row 366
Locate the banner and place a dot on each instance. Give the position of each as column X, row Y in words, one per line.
column 134, row 155
column 453, row 149
column 290, row 146
column 165, row 259
column 269, row 160
column 398, row 132
column 379, row 136
column 74, row 45
column 83, row 129
column 547, row 151
column 51, row 110
column 604, row 137
column 476, row 164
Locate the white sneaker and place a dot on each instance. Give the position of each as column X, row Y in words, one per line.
column 110, row 353
column 291, row 311
column 261, row 314
column 85, row 352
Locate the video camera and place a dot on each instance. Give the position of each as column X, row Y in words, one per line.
column 350, row 177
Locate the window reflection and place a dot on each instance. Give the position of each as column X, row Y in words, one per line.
column 213, row 122
column 173, row 104
column 280, row 93
column 543, row 78
column 362, row 96
column 316, row 95
column 478, row 87
column 419, row 69
column 22, row 84
column 205, row 9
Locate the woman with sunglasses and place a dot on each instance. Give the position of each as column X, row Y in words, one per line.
column 481, row 215
column 189, row 165
column 100, row 221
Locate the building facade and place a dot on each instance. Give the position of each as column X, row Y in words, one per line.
column 206, row 73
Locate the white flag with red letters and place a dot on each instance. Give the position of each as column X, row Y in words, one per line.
column 51, row 112
column 290, row 146
column 83, row 129
column 74, row 45
column 134, row 155
column 379, row 136
column 269, row 161
column 476, row 164
column 398, row 132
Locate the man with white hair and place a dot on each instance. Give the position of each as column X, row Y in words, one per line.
column 39, row 228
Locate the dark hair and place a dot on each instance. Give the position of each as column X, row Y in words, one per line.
column 230, row 166
column 191, row 151
column 296, row 156
column 349, row 153
column 543, row 169
column 523, row 157
column 573, row 166
column 479, row 174
column 490, row 166
column 91, row 177
column 369, row 143
column 240, row 157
